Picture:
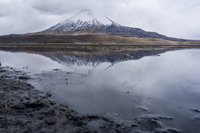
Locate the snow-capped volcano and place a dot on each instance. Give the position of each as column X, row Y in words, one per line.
column 84, row 20
column 87, row 22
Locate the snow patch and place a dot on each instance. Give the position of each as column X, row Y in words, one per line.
column 83, row 20
column 90, row 16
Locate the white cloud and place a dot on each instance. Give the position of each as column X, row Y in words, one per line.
column 176, row 18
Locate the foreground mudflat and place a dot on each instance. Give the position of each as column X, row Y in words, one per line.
column 25, row 109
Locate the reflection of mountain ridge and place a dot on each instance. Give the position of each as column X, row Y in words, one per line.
column 94, row 59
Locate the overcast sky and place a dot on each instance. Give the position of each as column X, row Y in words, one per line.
column 174, row 18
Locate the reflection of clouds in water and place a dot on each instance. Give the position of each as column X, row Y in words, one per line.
column 168, row 84
column 32, row 62
column 153, row 75
column 159, row 84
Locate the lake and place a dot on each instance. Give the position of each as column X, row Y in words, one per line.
column 160, row 84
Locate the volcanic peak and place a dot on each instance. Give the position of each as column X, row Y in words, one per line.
column 84, row 20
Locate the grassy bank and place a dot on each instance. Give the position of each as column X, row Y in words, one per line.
column 88, row 47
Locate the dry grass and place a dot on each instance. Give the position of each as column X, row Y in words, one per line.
column 98, row 39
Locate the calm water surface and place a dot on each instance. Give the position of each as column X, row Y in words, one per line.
column 167, row 85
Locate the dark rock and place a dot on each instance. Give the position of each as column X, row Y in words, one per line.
column 1, row 70
column 141, row 108
column 50, row 122
column 24, row 77
column 56, row 69
column 34, row 105
column 128, row 56
column 93, row 117
column 19, row 107
column 195, row 110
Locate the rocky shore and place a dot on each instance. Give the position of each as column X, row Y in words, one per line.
column 24, row 109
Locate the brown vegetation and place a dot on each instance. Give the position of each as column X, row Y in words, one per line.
column 98, row 39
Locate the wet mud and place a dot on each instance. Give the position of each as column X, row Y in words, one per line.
column 23, row 108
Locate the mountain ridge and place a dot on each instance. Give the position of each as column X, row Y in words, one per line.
column 87, row 22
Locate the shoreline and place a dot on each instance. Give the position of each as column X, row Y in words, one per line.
column 92, row 47
column 23, row 108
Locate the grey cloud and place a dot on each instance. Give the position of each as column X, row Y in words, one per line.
column 50, row 7
column 3, row 11
column 2, row 15
column 61, row 6
column 178, row 18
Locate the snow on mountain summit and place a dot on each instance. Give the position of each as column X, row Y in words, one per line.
column 90, row 17
column 84, row 20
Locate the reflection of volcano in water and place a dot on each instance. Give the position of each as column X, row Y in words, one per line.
column 94, row 59
column 162, row 91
